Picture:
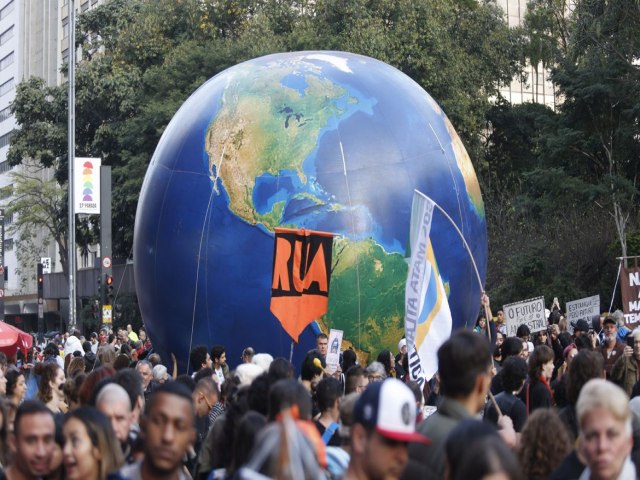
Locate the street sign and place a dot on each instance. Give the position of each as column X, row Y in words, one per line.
column 106, row 262
column 46, row 264
column 107, row 310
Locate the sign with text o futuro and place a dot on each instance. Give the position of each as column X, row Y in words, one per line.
column 528, row 312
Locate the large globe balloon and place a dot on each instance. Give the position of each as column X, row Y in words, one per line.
column 325, row 141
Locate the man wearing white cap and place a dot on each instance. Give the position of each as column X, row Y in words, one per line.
column 383, row 423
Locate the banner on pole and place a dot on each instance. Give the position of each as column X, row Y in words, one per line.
column 585, row 309
column 427, row 320
column 630, row 289
column 527, row 312
column 86, row 185
column 301, row 277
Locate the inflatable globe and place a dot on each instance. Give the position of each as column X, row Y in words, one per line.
column 326, row 141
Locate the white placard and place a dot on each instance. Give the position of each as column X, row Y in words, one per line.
column 86, row 185
column 333, row 352
column 585, row 308
column 529, row 312
column 46, row 264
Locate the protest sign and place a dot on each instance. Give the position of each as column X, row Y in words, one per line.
column 333, row 355
column 630, row 289
column 528, row 312
column 585, row 308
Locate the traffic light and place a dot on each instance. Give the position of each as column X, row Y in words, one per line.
column 108, row 282
column 40, row 280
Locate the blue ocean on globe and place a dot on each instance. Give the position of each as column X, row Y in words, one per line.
column 327, row 141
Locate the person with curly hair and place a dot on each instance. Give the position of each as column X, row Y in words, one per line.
column 538, row 456
column 16, row 386
column 50, row 383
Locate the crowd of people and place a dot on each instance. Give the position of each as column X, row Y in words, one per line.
column 549, row 404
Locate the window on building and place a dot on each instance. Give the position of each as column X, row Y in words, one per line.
column 7, row 9
column 5, row 114
column 8, row 244
column 65, row 30
column 8, row 219
column 6, row 61
column 6, row 35
column 84, row 6
column 6, row 192
column 5, row 139
column 6, row 87
column 65, row 56
column 5, row 166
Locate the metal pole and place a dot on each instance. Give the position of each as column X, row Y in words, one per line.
column 71, row 158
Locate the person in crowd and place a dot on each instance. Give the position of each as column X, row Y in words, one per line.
column 199, row 358
column 51, row 353
column 605, row 439
column 71, row 390
column 355, row 380
column 76, row 366
column 489, row 458
column 114, row 403
column 131, row 334
column 106, row 352
column 3, row 383
column 73, row 343
column 311, row 371
column 402, row 352
column 16, row 386
column 248, row 428
column 537, row 392
column 481, row 324
column 91, row 449
column 93, row 340
column 375, row 372
column 514, row 375
column 206, row 398
column 391, row 370
column 625, row 371
column 168, row 432
column 322, row 345
column 32, row 442
column 500, row 323
column 50, row 386
column 160, row 374
column 538, row 455
column 523, row 333
column 349, row 359
column 553, row 342
column 511, row 347
column 559, row 385
column 383, row 424
column 219, row 365
column 87, row 389
column 611, row 348
column 247, row 355
column 131, row 381
column 623, row 331
column 4, row 431
column 328, row 393
column 56, row 465
column 90, row 358
column 148, row 384
column 464, row 362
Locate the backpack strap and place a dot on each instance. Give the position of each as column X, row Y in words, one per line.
column 329, row 431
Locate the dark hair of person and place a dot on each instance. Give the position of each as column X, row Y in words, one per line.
column 51, row 350
column 537, row 454
column 309, row 368
column 131, row 381
column 587, row 364
column 511, row 347
column 328, row 391
column 465, row 432
column 76, row 366
column 154, row 359
column 97, row 388
column 102, row 437
column 3, row 361
column 349, row 359
column 258, row 394
column 514, row 373
column 463, row 357
column 198, row 356
column 384, row 357
column 12, row 376
column 287, row 393
column 121, row 362
column 416, row 390
column 541, row 354
column 322, row 335
column 170, row 388
column 203, row 373
column 237, row 405
column 125, row 349
column 246, row 432
column 71, row 388
column 281, row 368
column 523, row 331
column 216, row 352
column 486, row 457
column 4, row 431
column 565, row 339
column 29, row 407
column 47, row 373
column 86, row 390
column 352, row 378
column 187, row 381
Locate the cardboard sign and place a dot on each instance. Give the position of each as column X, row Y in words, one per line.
column 630, row 289
column 333, row 352
column 528, row 312
column 585, row 308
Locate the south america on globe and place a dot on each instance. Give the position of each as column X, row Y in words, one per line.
column 327, row 141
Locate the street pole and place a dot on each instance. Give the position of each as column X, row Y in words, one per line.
column 71, row 246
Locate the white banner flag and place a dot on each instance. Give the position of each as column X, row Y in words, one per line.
column 86, row 185
column 427, row 320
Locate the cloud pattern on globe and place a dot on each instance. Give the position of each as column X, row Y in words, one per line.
column 319, row 140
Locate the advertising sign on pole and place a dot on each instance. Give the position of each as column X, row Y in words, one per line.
column 527, row 312
column 333, row 352
column 86, row 185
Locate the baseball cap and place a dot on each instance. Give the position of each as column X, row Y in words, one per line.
column 609, row 320
column 581, row 326
column 389, row 407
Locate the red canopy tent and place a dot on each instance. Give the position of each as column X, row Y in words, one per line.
column 12, row 339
